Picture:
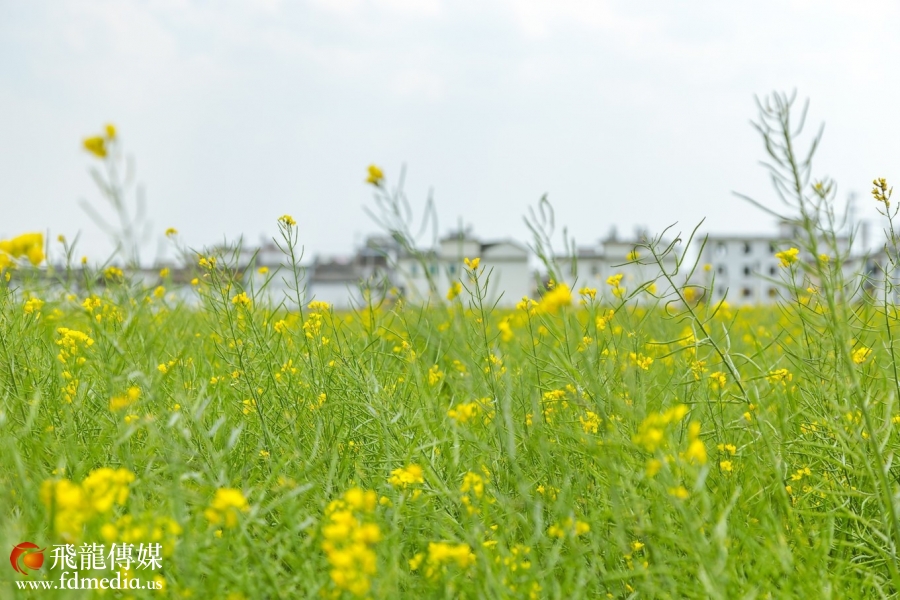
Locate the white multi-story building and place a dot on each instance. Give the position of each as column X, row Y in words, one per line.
column 505, row 269
column 629, row 258
column 743, row 269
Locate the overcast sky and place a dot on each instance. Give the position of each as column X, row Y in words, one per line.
column 624, row 113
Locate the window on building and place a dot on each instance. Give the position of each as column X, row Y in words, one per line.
column 432, row 268
column 595, row 270
column 747, row 270
column 773, row 271
column 747, row 293
column 721, row 249
column 414, row 270
column 452, row 269
column 747, row 248
column 772, row 292
column 722, row 270
column 772, row 248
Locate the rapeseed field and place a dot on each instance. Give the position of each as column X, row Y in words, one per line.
column 591, row 443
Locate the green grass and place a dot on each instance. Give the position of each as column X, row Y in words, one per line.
column 666, row 448
column 560, row 437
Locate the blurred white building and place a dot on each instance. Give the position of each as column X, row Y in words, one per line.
column 743, row 269
column 626, row 257
column 504, row 262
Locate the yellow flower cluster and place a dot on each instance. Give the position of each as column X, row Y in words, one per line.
column 98, row 145
column 71, row 342
column 696, row 451
column 33, row 306
column 319, row 306
column 548, row 491
column 375, row 176
column 226, row 506
column 28, row 245
column 779, row 376
column 465, row 412
column 440, row 556
column 860, row 355
column 787, row 257
column 313, row 325
column 405, row 476
column 473, row 484
column 74, row 504
column 602, row 320
column 526, row 304
column 559, row 296
column 572, row 527
column 455, row 290
column 113, row 274
column 615, row 281
column 882, row 192
column 552, row 400
column 506, row 332
column 117, row 403
column 287, row 220
column 642, row 362
column 152, row 529
column 242, row 299
column 651, row 432
column 717, row 380
column 435, row 375
column 349, row 538
column 590, row 423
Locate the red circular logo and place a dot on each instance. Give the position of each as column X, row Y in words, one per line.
column 26, row 556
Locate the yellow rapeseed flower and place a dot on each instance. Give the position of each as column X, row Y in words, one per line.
column 242, row 299
column 882, row 192
column 375, row 176
column 860, row 355
column 590, row 423
column 405, row 476
column 455, row 289
column 442, row 554
column 787, row 257
column 225, row 507
column 696, row 452
column 465, row 412
column 679, row 492
column 560, row 296
column 27, row 245
column 96, row 145
column 33, row 305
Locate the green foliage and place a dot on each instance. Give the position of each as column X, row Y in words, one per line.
column 667, row 448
